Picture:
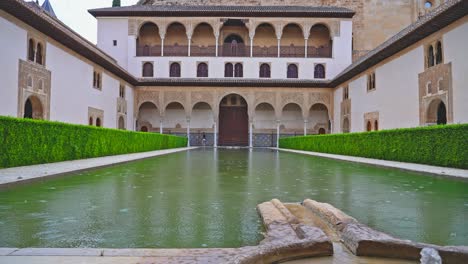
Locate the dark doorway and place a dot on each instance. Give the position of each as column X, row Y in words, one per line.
column 441, row 114
column 233, row 121
column 28, row 109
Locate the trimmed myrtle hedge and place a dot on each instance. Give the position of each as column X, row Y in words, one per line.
column 27, row 142
column 445, row 146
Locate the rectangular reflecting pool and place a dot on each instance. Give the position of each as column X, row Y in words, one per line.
column 207, row 198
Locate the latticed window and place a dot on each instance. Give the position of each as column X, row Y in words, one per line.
column 202, row 70
column 174, row 70
column 148, row 69
column 319, row 71
column 239, row 70
column 265, row 71
column 228, row 70
column 292, row 71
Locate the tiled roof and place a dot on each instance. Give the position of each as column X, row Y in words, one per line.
column 230, row 11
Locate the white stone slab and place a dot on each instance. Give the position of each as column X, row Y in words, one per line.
column 6, row 251
column 57, row 252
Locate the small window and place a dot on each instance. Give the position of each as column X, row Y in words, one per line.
column 439, row 57
column 202, row 70
column 174, row 70
column 114, row 42
column 346, row 93
column 97, row 82
column 31, row 51
column 371, row 81
column 239, row 70
column 39, row 54
column 319, row 71
column 369, row 126
column 41, row 85
column 430, row 56
column 428, row 4
column 429, row 88
column 122, row 91
column 29, row 82
column 265, row 71
column 228, row 70
column 376, row 125
column 292, row 71
column 98, row 122
column 148, row 69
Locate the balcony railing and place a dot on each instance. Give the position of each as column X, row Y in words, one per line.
column 239, row 50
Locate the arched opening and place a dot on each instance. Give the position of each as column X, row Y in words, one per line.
column 202, row 70
column 320, row 43
column 369, row 126
column 144, row 129
column 322, row 131
column 234, row 35
column 319, row 71
column 265, row 41
column 39, row 54
column 98, row 122
column 148, row 70
column 91, row 121
column 293, row 72
column 292, row 120
column 203, row 41
column 176, row 41
column 228, row 70
column 265, row 71
column 33, row 108
column 202, row 125
column 239, row 70
column 148, row 40
column 174, row 70
column 121, row 123
column 318, row 117
column 437, row 112
column 376, row 125
column 264, row 126
column 430, row 56
column 292, row 41
column 346, row 128
column 175, row 119
column 148, row 117
column 233, row 121
column 31, row 51
column 439, row 55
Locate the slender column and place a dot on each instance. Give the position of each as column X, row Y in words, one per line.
column 162, row 47
column 215, row 143
column 305, row 127
column 217, row 44
column 251, row 46
column 306, row 41
column 188, row 132
column 189, row 45
column 279, row 47
column 251, row 135
column 277, row 132
column 161, row 126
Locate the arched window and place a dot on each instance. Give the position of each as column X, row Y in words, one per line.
column 41, row 85
column 265, row 71
column 148, row 69
column 292, row 71
column 439, row 56
column 175, row 70
column 319, row 71
column 91, row 121
column 322, row 131
column 95, row 79
column 239, row 70
column 144, row 129
column 228, row 70
column 98, row 122
column 202, row 70
column 369, row 126
column 98, row 80
column 430, row 57
column 376, row 125
column 29, row 83
column 31, row 50
column 39, row 54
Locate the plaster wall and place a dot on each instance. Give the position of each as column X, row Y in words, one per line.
column 110, row 29
column 13, row 41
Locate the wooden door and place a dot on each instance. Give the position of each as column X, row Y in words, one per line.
column 233, row 126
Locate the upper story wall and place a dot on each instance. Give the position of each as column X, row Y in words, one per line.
column 374, row 22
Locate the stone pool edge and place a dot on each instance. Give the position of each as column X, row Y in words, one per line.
column 433, row 170
column 9, row 176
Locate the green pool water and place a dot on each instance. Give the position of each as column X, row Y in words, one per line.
column 207, row 198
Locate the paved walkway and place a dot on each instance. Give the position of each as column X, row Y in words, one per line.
column 441, row 171
column 28, row 173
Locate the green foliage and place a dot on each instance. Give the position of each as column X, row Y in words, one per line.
column 26, row 142
column 445, row 146
column 115, row 3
